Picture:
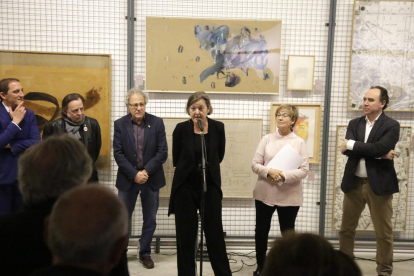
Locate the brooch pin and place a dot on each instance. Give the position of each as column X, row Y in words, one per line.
column 85, row 128
column 149, row 126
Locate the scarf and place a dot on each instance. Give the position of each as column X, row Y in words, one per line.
column 72, row 128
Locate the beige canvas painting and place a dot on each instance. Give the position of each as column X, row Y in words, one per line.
column 230, row 56
column 237, row 177
column 48, row 77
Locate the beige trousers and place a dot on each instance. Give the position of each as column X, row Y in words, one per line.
column 380, row 208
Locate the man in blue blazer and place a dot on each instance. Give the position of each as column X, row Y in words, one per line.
column 18, row 131
column 370, row 177
column 140, row 149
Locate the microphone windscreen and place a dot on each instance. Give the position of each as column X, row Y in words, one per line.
column 200, row 125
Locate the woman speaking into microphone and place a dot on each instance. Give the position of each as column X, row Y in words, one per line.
column 187, row 186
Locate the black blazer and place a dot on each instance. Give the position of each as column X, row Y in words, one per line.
column 382, row 138
column 91, row 138
column 125, row 152
column 183, row 154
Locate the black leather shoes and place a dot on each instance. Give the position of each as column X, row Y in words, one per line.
column 146, row 261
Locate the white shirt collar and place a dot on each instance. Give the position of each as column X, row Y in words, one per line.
column 373, row 122
column 6, row 107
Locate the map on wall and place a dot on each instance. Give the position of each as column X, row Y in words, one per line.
column 399, row 201
column 382, row 52
column 242, row 138
column 217, row 55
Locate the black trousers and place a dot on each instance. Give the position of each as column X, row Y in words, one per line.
column 11, row 200
column 287, row 217
column 186, row 203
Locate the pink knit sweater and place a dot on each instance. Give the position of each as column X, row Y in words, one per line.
column 290, row 193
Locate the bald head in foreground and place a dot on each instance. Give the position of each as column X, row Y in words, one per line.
column 87, row 232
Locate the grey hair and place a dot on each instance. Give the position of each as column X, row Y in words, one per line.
column 137, row 92
column 51, row 167
column 85, row 225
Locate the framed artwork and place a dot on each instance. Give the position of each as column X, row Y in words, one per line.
column 399, row 201
column 381, row 53
column 300, row 72
column 237, row 177
column 213, row 55
column 308, row 126
column 48, row 77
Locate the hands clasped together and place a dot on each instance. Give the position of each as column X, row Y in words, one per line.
column 141, row 177
column 276, row 176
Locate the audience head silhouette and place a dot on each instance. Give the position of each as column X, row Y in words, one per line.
column 88, row 229
column 307, row 255
column 52, row 167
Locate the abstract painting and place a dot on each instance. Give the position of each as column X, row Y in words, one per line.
column 399, row 201
column 230, row 56
column 48, row 77
column 308, row 126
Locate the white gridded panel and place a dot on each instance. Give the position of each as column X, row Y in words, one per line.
column 303, row 33
column 100, row 27
column 340, row 116
column 72, row 26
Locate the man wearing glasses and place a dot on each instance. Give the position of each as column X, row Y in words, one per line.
column 140, row 149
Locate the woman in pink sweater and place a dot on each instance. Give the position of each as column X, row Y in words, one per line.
column 275, row 189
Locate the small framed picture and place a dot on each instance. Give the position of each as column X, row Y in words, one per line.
column 307, row 127
column 300, row 72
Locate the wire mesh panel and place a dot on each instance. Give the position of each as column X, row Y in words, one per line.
column 341, row 116
column 303, row 33
column 77, row 26
column 100, row 27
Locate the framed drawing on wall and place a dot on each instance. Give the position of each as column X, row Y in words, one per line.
column 300, row 72
column 48, row 77
column 213, row 55
column 308, row 126
column 399, row 201
column 381, row 52
column 237, row 177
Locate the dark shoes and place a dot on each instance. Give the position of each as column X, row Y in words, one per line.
column 256, row 272
column 146, row 261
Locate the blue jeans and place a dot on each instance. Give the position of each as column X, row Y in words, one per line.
column 149, row 203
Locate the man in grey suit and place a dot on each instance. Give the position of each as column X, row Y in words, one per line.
column 140, row 149
column 370, row 177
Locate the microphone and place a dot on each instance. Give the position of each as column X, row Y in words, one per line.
column 200, row 125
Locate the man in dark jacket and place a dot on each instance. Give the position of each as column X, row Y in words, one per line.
column 77, row 125
column 140, row 149
column 18, row 131
column 369, row 176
